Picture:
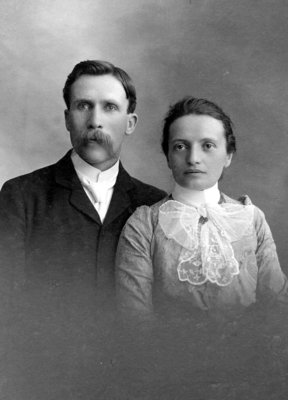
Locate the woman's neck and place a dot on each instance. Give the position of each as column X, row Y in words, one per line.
column 196, row 197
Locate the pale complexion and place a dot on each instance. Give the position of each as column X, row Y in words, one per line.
column 98, row 119
column 197, row 151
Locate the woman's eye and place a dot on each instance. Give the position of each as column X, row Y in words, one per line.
column 209, row 146
column 179, row 147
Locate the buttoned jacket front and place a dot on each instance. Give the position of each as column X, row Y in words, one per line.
column 52, row 239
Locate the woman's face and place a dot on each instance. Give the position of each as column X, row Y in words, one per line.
column 197, row 151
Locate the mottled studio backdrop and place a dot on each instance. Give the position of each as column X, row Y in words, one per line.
column 233, row 52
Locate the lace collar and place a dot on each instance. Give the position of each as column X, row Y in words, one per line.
column 205, row 233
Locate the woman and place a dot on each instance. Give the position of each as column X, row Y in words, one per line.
column 197, row 248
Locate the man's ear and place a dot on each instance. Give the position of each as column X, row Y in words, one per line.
column 67, row 122
column 228, row 160
column 131, row 123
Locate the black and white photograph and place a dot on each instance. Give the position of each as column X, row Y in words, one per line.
column 143, row 200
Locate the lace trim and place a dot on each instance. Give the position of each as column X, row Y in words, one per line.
column 205, row 234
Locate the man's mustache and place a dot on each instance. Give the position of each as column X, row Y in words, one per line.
column 99, row 137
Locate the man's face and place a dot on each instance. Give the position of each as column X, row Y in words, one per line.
column 98, row 120
column 197, row 151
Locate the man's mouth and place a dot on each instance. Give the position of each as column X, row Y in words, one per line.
column 94, row 140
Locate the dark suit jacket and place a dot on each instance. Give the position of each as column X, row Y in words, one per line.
column 53, row 244
column 56, row 275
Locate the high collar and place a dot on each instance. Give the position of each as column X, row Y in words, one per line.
column 196, row 197
column 91, row 173
column 65, row 175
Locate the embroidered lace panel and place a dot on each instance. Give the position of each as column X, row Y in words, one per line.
column 205, row 234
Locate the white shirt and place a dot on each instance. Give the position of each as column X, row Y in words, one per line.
column 98, row 185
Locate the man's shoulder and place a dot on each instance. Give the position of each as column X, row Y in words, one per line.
column 142, row 193
column 30, row 176
column 147, row 194
column 37, row 178
column 33, row 179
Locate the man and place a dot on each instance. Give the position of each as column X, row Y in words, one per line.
column 60, row 224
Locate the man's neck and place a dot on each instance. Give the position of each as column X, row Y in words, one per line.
column 93, row 172
column 103, row 166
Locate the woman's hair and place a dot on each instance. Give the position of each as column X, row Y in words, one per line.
column 191, row 105
column 97, row 67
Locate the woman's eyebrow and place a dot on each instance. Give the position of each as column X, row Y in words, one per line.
column 209, row 139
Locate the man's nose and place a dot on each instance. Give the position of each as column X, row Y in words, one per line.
column 194, row 155
column 95, row 118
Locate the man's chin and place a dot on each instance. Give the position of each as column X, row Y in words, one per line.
column 98, row 158
column 93, row 154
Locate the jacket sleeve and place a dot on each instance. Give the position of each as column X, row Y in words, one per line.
column 12, row 235
column 134, row 270
column 272, row 282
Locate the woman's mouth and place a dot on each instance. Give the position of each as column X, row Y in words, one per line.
column 193, row 171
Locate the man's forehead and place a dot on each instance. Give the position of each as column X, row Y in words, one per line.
column 98, row 85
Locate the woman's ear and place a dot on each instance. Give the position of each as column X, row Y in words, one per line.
column 168, row 162
column 131, row 123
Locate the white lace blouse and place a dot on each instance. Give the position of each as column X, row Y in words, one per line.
column 204, row 256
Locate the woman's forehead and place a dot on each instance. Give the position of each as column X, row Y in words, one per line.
column 197, row 127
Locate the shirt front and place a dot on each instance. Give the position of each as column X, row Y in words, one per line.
column 98, row 185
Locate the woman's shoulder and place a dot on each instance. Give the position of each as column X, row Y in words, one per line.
column 147, row 214
column 244, row 199
column 259, row 216
column 148, row 210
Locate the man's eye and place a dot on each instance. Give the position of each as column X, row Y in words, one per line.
column 83, row 106
column 111, row 107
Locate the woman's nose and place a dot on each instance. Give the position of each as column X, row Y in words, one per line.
column 193, row 155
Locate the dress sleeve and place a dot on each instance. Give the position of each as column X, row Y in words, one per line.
column 134, row 270
column 272, row 282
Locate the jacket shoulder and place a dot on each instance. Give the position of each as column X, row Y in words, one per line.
column 32, row 179
column 41, row 177
column 146, row 194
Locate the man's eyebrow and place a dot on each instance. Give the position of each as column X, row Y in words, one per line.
column 82, row 100
column 111, row 100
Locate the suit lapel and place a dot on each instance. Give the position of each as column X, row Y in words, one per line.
column 66, row 176
column 79, row 200
column 121, row 199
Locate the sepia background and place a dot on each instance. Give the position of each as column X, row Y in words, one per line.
column 229, row 51
column 233, row 52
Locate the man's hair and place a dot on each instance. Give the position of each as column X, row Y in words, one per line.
column 97, row 67
column 191, row 105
